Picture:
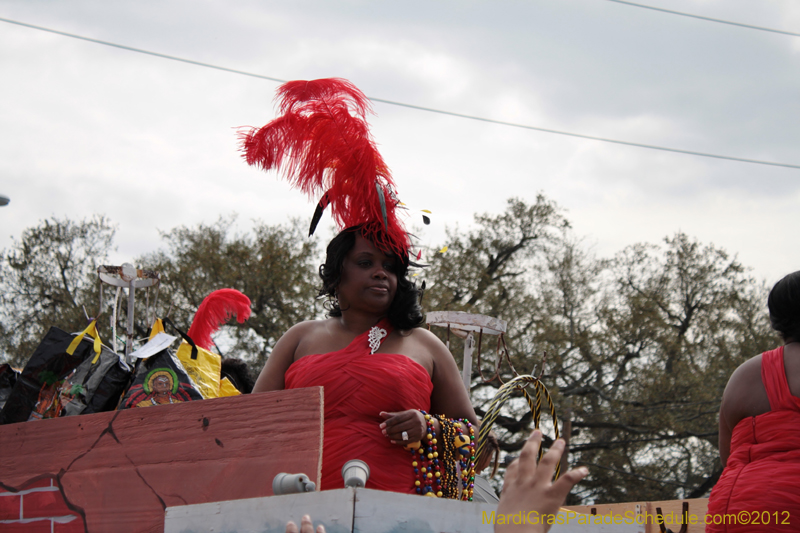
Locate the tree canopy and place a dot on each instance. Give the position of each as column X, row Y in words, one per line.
column 639, row 346
column 47, row 278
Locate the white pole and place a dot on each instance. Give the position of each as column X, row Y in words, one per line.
column 466, row 371
column 129, row 342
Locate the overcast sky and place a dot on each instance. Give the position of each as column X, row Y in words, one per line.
column 151, row 143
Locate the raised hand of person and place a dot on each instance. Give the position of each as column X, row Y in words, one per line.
column 306, row 526
column 529, row 488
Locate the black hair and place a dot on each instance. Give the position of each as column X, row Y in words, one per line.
column 784, row 307
column 404, row 312
column 238, row 373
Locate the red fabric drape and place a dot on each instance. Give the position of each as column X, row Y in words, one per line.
column 357, row 387
column 762, row 477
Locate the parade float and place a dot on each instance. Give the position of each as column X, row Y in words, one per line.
column 96, row 439
column 215, row 465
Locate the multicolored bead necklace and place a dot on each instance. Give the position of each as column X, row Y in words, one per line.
column 425, row 461
column 466, row 449
column 457, row 447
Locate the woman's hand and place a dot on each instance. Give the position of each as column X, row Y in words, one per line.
column 411, row 421
column 529, row 488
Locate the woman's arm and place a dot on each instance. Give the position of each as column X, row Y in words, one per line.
column 744, row 396
column 281, row 358
column 449, row 395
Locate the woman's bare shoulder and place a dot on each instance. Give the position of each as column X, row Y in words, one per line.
column 746, row 374
column 307, row 326
column 745, row 395
column 317, row 336
column 431, row 348
column 426, row 341
column 282, row 356
column 302, row 331
column 423, row 336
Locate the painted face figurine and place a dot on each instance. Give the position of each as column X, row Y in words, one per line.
column 462, row 443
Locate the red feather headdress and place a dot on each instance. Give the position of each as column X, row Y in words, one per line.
column 216, row 309
column 322, row 144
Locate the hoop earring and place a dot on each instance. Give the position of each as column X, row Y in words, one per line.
column 331, row 303
column 336, row 304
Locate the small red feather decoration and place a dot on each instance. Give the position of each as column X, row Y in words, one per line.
column 216, row 309
column 322, row 145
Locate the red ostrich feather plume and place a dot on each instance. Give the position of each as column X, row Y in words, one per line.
column 322, row 145
column 216, row 309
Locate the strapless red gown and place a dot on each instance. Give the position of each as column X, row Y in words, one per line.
column 762, row 477
column 357, row 387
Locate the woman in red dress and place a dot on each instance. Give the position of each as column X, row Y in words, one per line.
column 759, row 431
column 379, row 370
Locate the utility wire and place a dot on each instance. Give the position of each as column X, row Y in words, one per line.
column 681, row 13
column 139, row 50
column 419, row 108
column 590, row 137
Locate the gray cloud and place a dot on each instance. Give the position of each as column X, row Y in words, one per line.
column 152, row 144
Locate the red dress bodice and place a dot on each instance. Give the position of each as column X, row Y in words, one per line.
column 359, row 385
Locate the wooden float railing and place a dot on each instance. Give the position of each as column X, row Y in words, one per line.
column 679, row 516
column 119, row 471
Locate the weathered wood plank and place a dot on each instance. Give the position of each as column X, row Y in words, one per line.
column 121, row 470
column 331, row 508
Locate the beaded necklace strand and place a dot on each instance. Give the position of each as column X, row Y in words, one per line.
column 448, row 456
column 425, row 461
column 457, row 448
column 467, row 460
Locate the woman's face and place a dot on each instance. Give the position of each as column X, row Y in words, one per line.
column 368, row 279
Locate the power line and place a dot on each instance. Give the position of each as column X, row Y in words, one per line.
column 139, row 50
column 590, row 137
column 681, row 13
column 419, row 108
